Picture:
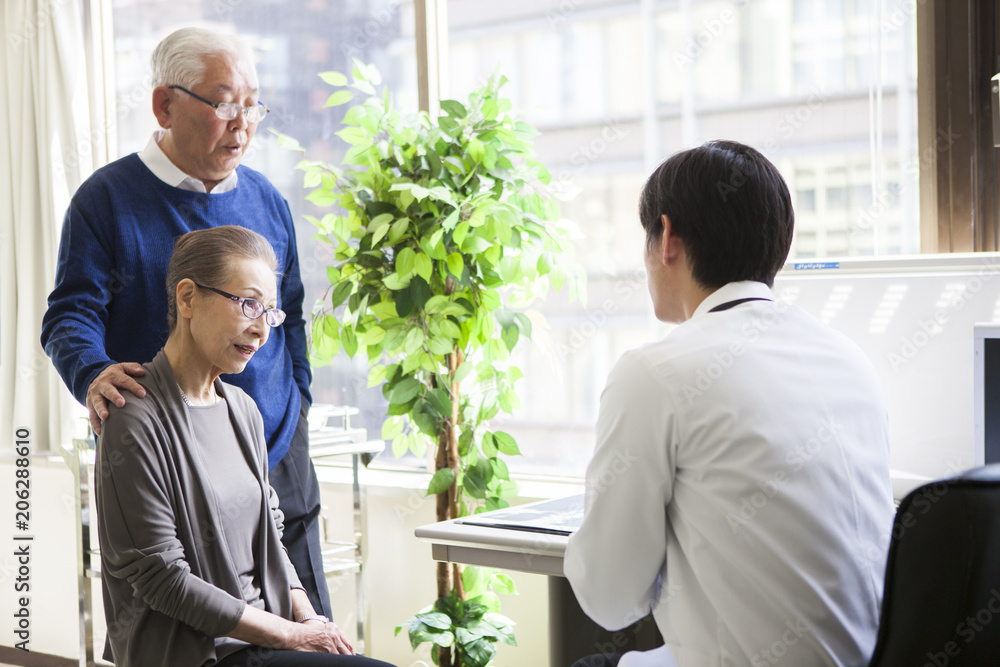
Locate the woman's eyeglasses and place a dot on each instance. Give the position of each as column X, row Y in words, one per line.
column 252, row 308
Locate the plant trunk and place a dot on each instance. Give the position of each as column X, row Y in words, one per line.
column 449, row 575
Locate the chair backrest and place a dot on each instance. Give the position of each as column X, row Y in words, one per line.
column 941, row 605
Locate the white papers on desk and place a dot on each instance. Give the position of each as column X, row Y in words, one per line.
column 561, row 516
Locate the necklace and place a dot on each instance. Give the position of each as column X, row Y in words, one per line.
column 183, row 397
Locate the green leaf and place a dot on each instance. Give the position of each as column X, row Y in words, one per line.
column 455, row 264
column 391, row 428
column 475, row 580
column 373, row 336
column 491, row 300
column 414, row 339
column 508, row 489
column 454, row 108
column 449, row 223
column 458, row 236
column 525, row 322
column 338, row 98
column 476, row 150
column 376, row 376
column 406, row 390
column 340, row 293
column 423, row 267
column 440, row 400
column 441, row 482
column 398, row 229
column 400, row 446
column 510, row 335
column 479, row 653
column 502, row 624
column 322, row 197
column 462, row 371
column 435, row 619
column 475, row 244
column 450, row 329
column 405, row 262
column 475, row 485
column 394, row 282
column 489, row 448
column 500, row 469
column 384, row 310
column 334, row 78
column 490, row 109
column 506, row 443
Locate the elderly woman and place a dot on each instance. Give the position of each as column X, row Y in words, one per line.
column 194, row 572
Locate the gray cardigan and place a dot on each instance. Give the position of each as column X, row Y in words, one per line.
column 169, row 584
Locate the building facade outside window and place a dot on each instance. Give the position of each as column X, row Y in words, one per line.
column 825, row 88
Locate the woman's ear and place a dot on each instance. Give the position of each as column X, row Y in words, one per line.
column 185, row 296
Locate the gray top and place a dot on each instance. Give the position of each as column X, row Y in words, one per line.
column 239, row 499
column 171, row 583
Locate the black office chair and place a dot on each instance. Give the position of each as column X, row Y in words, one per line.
column 942, row 581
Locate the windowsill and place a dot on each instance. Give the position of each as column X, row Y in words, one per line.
column 404, row 480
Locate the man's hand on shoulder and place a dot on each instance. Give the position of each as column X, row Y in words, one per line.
column 105, row 388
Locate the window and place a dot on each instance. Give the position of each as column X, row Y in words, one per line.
column 293, row 42
column 822, row 87
column 798, row 79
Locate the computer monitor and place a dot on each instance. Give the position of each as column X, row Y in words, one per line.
column 986, row 393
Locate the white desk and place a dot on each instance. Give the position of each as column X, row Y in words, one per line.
column 572, row 635
column 525, row 550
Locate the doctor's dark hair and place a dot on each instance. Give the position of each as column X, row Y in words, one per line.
column 728, row 205
column 206, row 256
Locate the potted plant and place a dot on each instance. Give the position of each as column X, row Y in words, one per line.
column 443, row 233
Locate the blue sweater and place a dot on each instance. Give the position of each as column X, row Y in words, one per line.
column 109, row 304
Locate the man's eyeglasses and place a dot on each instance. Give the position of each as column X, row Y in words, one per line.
column 252, row 308
column 230, row 110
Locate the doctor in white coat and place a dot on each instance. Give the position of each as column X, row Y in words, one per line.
column 739, row 488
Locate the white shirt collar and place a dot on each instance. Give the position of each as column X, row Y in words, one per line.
column 731, row 292
column 157, row 162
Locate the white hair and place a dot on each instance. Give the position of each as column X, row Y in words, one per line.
column 179, row 60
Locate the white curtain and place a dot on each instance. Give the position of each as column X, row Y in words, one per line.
column 43, row 129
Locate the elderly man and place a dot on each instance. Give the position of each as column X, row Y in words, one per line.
column 740, row 487
column 108, row 311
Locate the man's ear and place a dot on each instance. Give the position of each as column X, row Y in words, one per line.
column 185, row 295
column 671, row 245
column 162, row 100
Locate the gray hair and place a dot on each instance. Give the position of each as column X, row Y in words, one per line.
column 179, row 60
column 206, row 256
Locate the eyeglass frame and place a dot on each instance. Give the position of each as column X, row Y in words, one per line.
column 219, row 105
column 244, row 301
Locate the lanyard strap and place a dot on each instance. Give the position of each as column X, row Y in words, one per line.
column 729, row 304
